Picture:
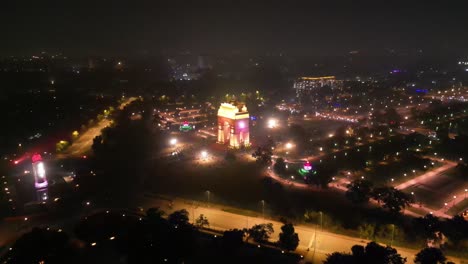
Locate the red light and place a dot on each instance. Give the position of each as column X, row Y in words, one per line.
column 84, row 157
column 16, row 162
column 36, row 157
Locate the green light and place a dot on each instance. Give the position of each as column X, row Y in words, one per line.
column 185, row 128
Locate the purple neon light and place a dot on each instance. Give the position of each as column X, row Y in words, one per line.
column 41, row 185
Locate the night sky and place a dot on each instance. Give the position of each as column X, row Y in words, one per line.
column 292, row 27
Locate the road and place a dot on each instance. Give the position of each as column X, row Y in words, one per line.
column 314, row 244
column 82, row 145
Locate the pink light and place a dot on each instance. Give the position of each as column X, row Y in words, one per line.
column 241, row 124
column 307, row 166
column 36, row 157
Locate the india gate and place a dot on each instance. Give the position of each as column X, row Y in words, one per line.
column 233, row 125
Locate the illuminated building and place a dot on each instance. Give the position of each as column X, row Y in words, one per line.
column 40, row 180
column 233, row 125
column 304, row 85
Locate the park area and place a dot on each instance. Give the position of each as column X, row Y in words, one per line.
column 438, row 191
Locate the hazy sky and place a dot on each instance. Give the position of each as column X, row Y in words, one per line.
column 294, row 27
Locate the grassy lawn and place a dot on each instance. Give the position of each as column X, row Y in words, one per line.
column 240, row 211
column 428, row 197
column 437, row 191
column 458, row 208
column 417, row 210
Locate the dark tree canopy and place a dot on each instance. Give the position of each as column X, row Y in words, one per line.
column 202, row 221
column 427, row 225
column 394, row 200
column 154, row 213
column 179, row 218
column 370, row 254
column 280, row 166
column 233, row 239
column 456, row 229
column 340, row 258
column 375, row 253
column 430, row 256
column 261, row 233
column 121, row 155
column 263, row 155
column 288, row 238
column 359, row 191
column 322, row 176
column 41, row 245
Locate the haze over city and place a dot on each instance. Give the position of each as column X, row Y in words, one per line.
column 327, row 132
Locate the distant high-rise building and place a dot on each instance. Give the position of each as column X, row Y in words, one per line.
column 306, row 85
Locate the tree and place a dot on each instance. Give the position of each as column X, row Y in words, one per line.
column 339, row 258
column 394, row 200
column 202, row 221
column 41, row 245
column 154, row 213
column 180, row 217
column 373, row 253
column 367, row 231
column 233, row 239
column 430, row 256
column 427, row 225
column 359, row 253
column 261, row 233
column 263, row 155
column 280, row 166
column 121, row 156
column 322, row 176
column 288, row 239
column 456, row 229
column 359, row 191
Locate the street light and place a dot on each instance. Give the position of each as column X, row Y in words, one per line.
column 204, row 154
column 393, row 234
column 289, row 145
column 272, row 123
column 208, row 196
column 173, row 141
column 321, row 220
column 454, row 198
column 263, row 208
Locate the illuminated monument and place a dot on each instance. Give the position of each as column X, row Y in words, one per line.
column 40, row 180
column 233, row 125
